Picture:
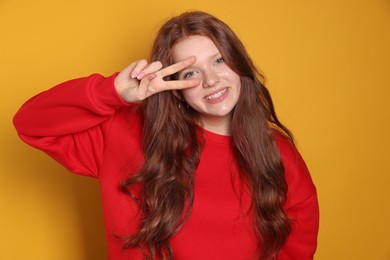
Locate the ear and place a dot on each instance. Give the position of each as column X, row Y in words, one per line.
column 178, row 95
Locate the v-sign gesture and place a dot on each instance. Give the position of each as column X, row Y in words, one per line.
column 140, row 80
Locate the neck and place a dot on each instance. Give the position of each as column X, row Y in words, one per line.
column 217, row 125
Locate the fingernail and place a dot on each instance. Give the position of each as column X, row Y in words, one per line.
column 140, row 76
column 134, row 75
column 195, row 82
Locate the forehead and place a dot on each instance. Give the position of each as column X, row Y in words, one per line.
column 196, row 45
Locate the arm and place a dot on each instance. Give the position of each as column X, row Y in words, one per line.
column 301, row 205
column 70, row 122
column 302, row 242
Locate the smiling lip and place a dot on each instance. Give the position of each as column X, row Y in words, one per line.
column 217, row 96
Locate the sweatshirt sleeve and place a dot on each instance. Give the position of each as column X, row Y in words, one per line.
column 70, row 121
column 301, row 205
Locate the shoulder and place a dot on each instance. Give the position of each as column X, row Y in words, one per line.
column 290, row 155
column 298, row 178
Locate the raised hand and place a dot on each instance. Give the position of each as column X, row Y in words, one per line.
column 140, row 80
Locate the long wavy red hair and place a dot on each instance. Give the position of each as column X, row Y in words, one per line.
column 172, row 148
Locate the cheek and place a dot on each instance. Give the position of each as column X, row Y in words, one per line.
column 231, row 76
column 237, row 81
column 234, row 77
column 190, row 94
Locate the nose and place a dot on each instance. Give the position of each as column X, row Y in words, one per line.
column 210, row 78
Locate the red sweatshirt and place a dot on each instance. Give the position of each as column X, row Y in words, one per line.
column 88, row 128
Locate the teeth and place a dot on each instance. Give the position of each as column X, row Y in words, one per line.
column 216, row 95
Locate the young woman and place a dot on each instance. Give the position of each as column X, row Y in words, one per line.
column 191, row 158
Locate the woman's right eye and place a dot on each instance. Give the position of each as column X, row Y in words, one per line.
column 189, row 74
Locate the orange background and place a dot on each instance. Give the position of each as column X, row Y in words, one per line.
column 328, row 69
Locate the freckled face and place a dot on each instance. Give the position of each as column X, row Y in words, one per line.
column 217, row 94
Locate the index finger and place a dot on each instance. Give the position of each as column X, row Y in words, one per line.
column 178, row 66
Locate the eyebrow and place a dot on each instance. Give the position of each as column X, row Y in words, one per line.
column 211, row 57
column 216, row 55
